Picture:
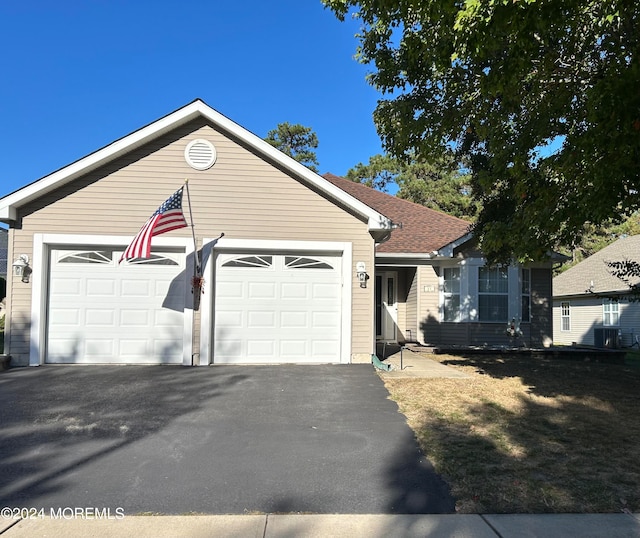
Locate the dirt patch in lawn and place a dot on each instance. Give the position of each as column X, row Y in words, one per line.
column 526, row 435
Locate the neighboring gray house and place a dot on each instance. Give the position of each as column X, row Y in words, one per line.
column 591, row 306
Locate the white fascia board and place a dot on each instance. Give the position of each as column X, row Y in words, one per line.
column 447, row 250
column 9, row 204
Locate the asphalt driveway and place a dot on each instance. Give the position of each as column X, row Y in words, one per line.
column 225, row 439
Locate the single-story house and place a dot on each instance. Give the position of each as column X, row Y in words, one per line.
column 297, row 267
column 433, row 286
column 591, row 306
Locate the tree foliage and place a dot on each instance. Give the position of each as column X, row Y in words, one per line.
column 441, row 185
column 297, row 141
column 594, row 238
column 540, row 97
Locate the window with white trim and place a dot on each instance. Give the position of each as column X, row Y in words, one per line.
column 87, row 256
column 493, row 294
column 451, row 288
column 263, row 262
column 565, row 317
column 525, row 294
column 610, row 313
column 303, row 262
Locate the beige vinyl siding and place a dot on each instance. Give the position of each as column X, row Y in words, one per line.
column 241, row 195
column 428, row 304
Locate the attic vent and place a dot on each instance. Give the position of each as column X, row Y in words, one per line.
column 200, row 154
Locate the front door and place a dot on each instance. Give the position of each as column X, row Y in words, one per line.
column 386, row 306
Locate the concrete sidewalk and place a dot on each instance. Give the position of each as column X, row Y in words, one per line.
column 408, row 363
column 341, row 525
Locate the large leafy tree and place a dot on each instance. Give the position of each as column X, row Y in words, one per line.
column 541, row 97
column 440, row 185
column 297, row 141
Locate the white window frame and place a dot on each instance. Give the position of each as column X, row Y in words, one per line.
column 610, row 313
column 449, row 296
column 565, row 316
column 494, row 293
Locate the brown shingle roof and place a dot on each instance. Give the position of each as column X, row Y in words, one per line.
column 423, row 229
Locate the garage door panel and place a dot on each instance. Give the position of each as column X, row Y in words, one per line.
column 293, row 349
column 294, row 320
column 261, row 319
column 70, row 287
column 65, row 317
column 274, row 313
column 99, row 318
column 104, row 312
column 134, row 288
column 98, row 348
column 261, row 290
column 134, row 318
column 102, row 287
column 230, row 290
column 294, row 290
column 326, row 320
column 325, row 291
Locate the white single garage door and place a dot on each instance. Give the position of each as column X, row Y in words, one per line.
column 101, row 312
column 277, row 308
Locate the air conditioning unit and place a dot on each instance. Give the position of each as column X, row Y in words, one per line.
column 608, row 338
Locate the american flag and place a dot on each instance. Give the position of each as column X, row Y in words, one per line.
column 168, row 217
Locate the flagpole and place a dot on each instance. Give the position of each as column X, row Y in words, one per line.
column 196, row 268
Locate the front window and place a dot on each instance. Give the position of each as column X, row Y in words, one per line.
column 565, row 316
column 610, row 313
column 493, row 294
column 451, row 304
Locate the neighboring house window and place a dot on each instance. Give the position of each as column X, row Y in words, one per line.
column 565, row 317
column 525, row 279
column 610, row 312
column 452, row 294
column 493, row 294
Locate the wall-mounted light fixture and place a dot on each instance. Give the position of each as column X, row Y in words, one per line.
column 21, row 268
column 361, row 272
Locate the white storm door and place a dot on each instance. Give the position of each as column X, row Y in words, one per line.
column 277, row 308
column 100, row 311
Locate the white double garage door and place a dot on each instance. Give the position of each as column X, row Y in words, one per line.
column 269, row 307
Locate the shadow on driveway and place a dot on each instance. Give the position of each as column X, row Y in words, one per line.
column 224, row 439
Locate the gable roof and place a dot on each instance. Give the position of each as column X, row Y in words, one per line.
column 379, row 225
column 578, row 279
column 424, row 230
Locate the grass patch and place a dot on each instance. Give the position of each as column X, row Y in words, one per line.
column 530, row 435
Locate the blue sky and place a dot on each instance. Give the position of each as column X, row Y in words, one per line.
column 79, row 74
